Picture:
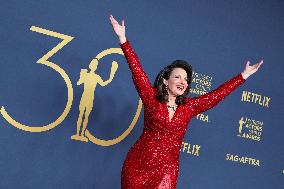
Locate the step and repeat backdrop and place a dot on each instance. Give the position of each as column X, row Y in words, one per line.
column 70, row 112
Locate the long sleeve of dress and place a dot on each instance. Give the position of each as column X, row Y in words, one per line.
column 140, row 78
column 209, row 100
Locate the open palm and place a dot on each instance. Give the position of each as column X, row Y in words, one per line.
column 118, row 29
column 249, row 70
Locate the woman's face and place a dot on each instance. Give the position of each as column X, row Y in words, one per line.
column 177, row 83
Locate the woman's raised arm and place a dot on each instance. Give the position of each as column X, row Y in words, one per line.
column 209, row 100
column 140, row 78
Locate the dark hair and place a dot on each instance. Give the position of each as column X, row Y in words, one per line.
column 162, row 94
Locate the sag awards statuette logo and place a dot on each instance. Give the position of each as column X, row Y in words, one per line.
column 190, row 149
column 250, row 129
column 255, row 98
column 242, row 160
column 90, row 80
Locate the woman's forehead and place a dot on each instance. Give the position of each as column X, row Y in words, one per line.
column 179, row 71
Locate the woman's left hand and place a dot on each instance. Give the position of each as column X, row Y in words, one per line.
column 249, row 70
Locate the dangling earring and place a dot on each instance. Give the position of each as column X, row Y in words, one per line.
column 166, row 87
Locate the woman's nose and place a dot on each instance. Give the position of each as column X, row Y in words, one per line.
column 182, row 81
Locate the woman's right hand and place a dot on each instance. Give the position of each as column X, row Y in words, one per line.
column 118, row 29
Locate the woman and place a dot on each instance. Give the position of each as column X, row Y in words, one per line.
column 153, row 161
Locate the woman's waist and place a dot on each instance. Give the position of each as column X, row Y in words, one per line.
column 162, row 134
column 158, row 143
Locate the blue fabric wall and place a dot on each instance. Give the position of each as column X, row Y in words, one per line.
column 216, row 37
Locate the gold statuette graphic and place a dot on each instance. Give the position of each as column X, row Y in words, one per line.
column 90, row 80
column 44, row 61
column 241, row 122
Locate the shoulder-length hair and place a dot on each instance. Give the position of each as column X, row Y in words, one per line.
column 162, row 94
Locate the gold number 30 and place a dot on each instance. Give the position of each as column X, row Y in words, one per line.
column 44, row 60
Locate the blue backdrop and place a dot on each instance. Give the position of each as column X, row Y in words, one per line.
column 237, row 144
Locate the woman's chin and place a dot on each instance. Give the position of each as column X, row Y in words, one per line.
column 179, row 94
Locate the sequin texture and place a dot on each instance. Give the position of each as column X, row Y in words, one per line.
column 153, row 161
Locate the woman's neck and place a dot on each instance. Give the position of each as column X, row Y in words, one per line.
column 171, row 100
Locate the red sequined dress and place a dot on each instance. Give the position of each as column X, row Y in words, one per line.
column 153, row 161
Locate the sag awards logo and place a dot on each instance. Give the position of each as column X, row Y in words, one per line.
column 243, row 160
column 250, row 129
column 200, row 85
column 90, row 79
